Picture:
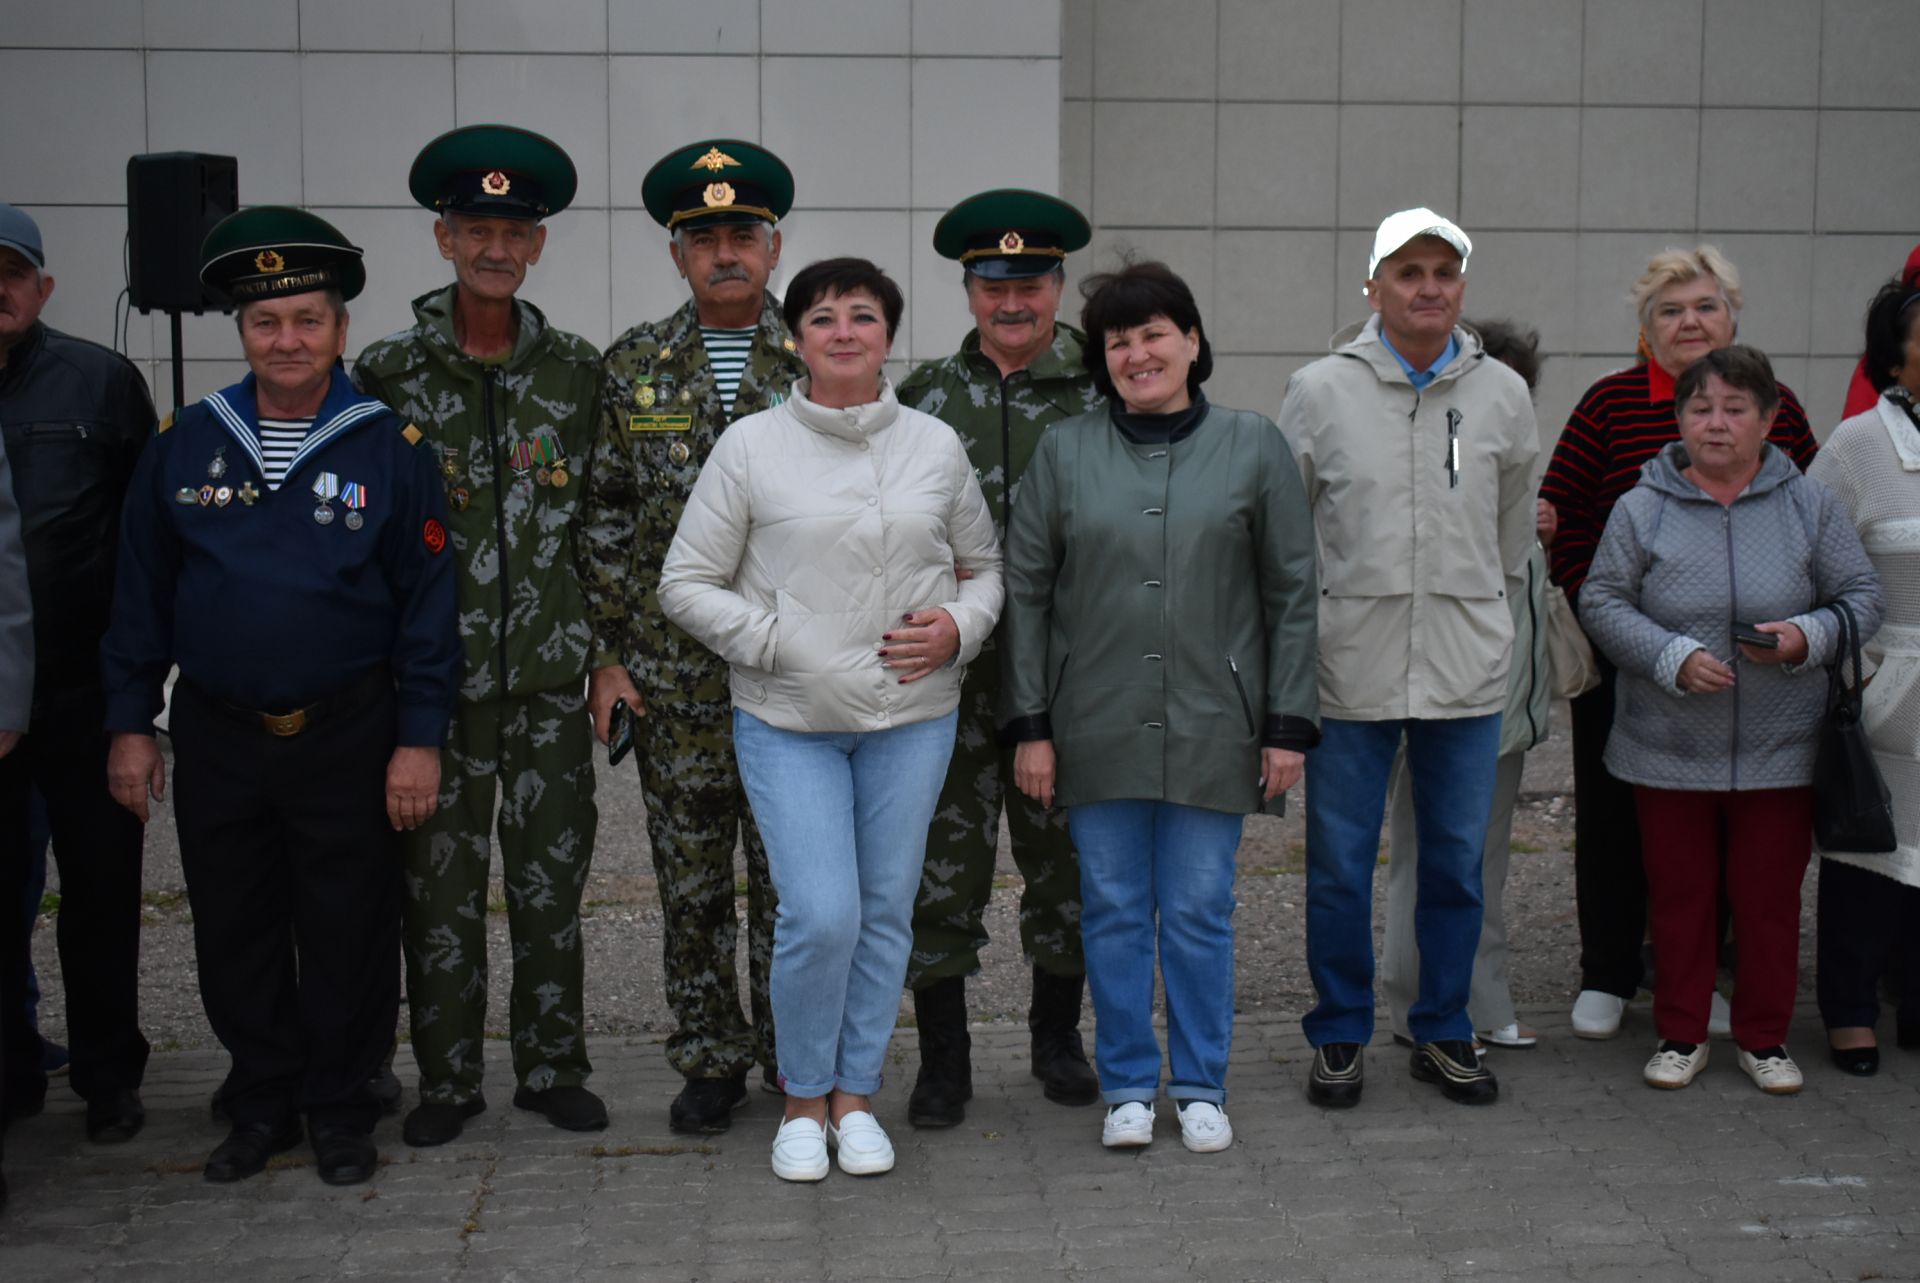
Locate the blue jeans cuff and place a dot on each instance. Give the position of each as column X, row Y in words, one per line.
column 804, row 1091
column 1122, row 1095
column 1180, row 1094
column 860, row 1086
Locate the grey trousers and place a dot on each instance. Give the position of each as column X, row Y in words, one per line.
column 1489, row 1000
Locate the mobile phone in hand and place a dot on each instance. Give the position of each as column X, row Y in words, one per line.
column 619, row 732
column 1748, row 635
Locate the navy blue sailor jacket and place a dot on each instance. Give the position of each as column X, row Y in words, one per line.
column 272, row 600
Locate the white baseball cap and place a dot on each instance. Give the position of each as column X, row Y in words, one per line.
column 1397, row 229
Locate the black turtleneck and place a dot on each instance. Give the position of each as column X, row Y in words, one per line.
column 1159, row 429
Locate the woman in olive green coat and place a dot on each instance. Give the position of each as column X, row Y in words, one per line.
column 1160, row 679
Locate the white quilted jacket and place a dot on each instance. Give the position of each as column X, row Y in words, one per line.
column 810, row 532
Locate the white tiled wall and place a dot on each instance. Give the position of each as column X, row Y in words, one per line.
column 1255, row 144
column 887, row 110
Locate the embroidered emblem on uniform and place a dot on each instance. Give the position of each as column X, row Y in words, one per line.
column 1013, row 242
column 495, row 184
column 718, row 195
column 353, row 497
column 678, row 452
column 218, row 467
column 269, row 261
column 223, row 496
column 186, row 496
column 248, row 494
column 325, row 487
column 434, row 536
column 205, row 496
column 714, row 161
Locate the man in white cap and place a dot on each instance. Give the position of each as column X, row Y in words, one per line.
column 1418, row 455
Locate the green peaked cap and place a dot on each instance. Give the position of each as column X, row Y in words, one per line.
column 1011, row 232
column 715, row 181
column 497, row 171
column 274, row 250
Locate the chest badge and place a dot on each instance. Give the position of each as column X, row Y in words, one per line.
column 205, row 496
column 223, row 496
column 248, row 494
column 325, row 487
column 217, row 467
column 678, row 452
column 186, row 496
column 353, row 497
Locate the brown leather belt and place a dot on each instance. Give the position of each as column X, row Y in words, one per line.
column 287, row 725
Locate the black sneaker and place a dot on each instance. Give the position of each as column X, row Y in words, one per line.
column 705, row 1106
column 1337, row 1075
column 569, row 1106
column 1455, row 1066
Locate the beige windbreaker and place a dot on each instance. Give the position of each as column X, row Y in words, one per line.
column 1423, row 511
column 809, row 533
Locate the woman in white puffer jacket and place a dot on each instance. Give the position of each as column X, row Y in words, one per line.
column 837, row 553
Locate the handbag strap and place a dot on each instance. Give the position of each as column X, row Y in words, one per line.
column 1844, row 692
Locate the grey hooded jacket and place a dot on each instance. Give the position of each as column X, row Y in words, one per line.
column 1674, row 572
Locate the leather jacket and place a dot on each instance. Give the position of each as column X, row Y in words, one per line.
column 76, row 416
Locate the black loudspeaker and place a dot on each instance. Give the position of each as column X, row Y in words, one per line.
column 173, row 200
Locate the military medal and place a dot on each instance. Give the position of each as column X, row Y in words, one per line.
column 522, row 460
column 560, row 477
column 459, row 499
column 223, row 496
column 353, row 497
column 325, row 487
column 248, row 494
column 186, row 497
column 449, row 462
column 218, row 467
column 644, row 395
column 678, row 452
column 542, row 456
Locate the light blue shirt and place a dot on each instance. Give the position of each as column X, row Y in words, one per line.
column 1420, row 378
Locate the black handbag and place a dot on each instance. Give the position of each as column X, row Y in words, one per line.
column 1852, row 808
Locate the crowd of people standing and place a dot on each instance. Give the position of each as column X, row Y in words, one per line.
column 842, row 625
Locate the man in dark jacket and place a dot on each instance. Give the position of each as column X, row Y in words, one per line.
column 76, row 417
column 16, row 691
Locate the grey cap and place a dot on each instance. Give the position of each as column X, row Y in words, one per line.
column 19, row 231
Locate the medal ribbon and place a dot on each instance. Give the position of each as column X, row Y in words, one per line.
column 326, row 486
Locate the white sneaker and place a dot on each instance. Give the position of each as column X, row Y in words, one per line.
column 1673, row 1068
column 1128, row 1126
column 864, row 1149
column 1772, row 1070
column 1203, row 1128
column 1597, row 1014
column 800, row 1151
column 1719, row 1017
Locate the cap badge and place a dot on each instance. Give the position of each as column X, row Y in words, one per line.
column 495, row 183
column 1013, row 243
column 718, row 195
column 714, row 161
column 269, row 261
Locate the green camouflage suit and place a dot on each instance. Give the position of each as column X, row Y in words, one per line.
column 1000, row 422
column 661, row 412
column 521, row 718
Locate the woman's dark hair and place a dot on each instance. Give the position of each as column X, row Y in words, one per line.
column 1890, row 318
column 1514, row 345
column 835, row 278
column 1132, row 296
column 1739, row 366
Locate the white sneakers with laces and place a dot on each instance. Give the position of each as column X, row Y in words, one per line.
column 1673, row 1066
column 1128, row 1125
column 1772, row 1070
column 1203, row 1128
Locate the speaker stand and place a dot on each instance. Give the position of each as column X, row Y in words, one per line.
column 179, row 363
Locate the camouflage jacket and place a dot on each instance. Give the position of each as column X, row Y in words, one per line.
column 660, row 413
column 498, row 427
column 1000, row 420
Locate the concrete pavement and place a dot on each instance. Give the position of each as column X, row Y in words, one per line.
column 1579, row 1172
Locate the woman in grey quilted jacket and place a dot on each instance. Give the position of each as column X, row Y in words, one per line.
column 1724, row 538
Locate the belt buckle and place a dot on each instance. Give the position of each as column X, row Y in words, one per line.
column 285, row 724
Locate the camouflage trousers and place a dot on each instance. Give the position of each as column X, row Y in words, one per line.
column 949, row 927
column 539, row 748
column 696, row 809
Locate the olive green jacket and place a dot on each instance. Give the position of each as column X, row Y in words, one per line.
column 660, row 414
column 999, row 420
column 497, row 427
column 1161, row 611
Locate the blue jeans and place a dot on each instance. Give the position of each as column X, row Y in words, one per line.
column 1141, row 861
column 1451, row 763
column 844, row 817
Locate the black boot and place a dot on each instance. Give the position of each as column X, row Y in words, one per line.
column 1059, row 1057
column 944, row 1084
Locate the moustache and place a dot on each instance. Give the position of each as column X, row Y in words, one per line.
column 1014, row 318
column 721, row 275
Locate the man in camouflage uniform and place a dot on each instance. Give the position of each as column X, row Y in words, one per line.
column 670, row 389
column 1017, row 372
column 508, row 403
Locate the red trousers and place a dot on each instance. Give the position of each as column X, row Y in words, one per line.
column 1769, row 841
